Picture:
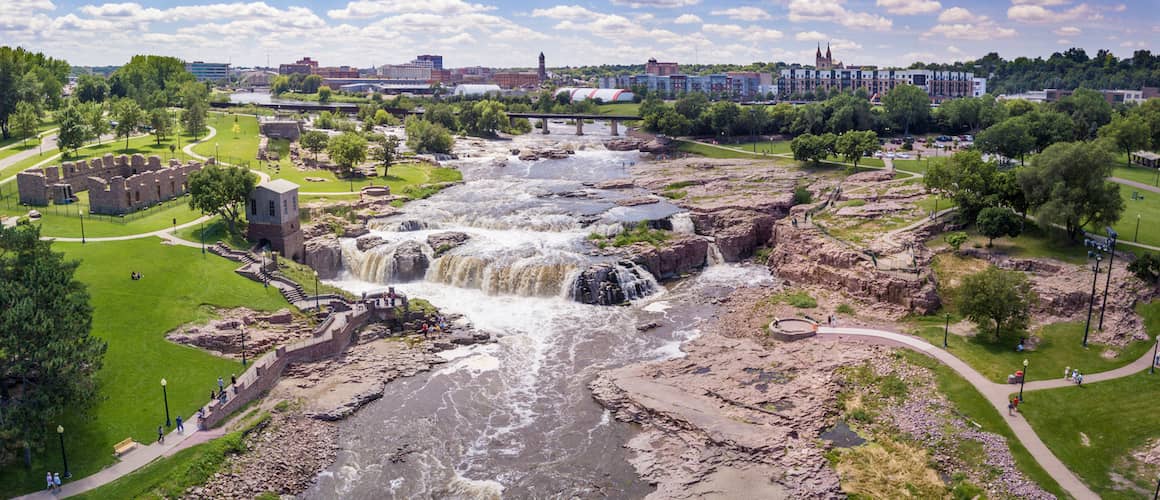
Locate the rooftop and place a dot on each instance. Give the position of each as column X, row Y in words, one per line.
column 279, row 186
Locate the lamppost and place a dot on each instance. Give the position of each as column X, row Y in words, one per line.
column 265, row 282
column 1092, row 298
column 946, row 330
column 1155, row 352
column 215, row 151
column 1022, row 380
column 1112, row 258
column 81, row 212
column 165, row 397
column 63, row 456
column 1136, row 237
column 316, row 306
column 202, row 238
column 243, row 344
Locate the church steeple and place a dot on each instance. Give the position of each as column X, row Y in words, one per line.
column 828, row 56
column 819, row 55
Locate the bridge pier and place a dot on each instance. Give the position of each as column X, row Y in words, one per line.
column 612, row 125
column 544, row 126
column 579, row 126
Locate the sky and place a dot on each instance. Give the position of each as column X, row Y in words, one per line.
column 508, row 33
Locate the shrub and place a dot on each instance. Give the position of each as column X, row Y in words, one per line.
column 802, row 196
column 956, row 240
column 1146, row 267
column 845, row 309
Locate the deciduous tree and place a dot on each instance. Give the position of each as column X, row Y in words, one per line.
column 855, row 144
column 994, row 298
column 314, row 141
column 1065, row 185
column 128, row 116
column 25, row 121
column 385, row 150
column 996, row 222
column 73, row 132
column 161, row 124
column 221, row 190
column 347, row 150
column 908, row 106
column 1127, row 133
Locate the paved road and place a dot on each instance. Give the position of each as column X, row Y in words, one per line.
column 998, row 394
column 47, row 143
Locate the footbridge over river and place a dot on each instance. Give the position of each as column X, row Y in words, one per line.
column 342, row 107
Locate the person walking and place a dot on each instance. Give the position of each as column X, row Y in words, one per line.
column 48, row 479
column 56, row 480
column 1067, row 373
column 1011, row 407
column 221, row 385
column 233, row 379
column 180, row 424
column 161, row 434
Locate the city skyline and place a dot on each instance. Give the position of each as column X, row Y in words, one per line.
column 511, row 34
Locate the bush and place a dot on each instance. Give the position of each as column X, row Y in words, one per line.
column 845, row 309
column 801, row 196
column 426, row 137
column 956, row 240
column 799, row 299
column 1146, row 267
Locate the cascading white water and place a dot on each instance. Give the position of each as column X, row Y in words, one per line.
column 683, row 223
column 713, row 257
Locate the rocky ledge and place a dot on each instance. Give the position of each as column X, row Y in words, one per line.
column 223, row 336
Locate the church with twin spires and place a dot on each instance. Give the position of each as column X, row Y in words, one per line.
column 826, row 63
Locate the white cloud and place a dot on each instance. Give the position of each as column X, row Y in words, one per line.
column 1119, row 8
column 1067, row 31
column 1038, row 14
column 687, row 19
column 957, row 15
column 564, row 12
column 811, row 36
column 1046, row 3
column 751, row 33
column 954, row 50
column 833, row 11
column 361, row 9
column 983, row 31
column 918, row 56
column 16, row 6
column 1063, row 41
column 910, row 7
column 743, row 14
column 636, row 4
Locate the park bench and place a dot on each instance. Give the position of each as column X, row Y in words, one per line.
column 124, row 446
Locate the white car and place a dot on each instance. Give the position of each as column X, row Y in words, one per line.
column 890, row 155
column 903, row 155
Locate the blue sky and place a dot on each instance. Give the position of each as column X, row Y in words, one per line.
column 507, row 33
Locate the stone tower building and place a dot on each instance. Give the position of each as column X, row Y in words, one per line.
column 272, row 212
column 543, row 69
column 826, row 63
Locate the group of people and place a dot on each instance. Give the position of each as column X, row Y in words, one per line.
column 135, row 275
column 1073, row 375
column 436, row 324
column 1013, row 406
column 220, row 395
column 53, row 480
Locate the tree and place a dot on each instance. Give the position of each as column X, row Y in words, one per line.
column 1089, row 111
column 723, row 118
column 152, row 81
column 956, row 240
column 48, row 358
column 385, row 151
column 909, row 106
column 485, row 118
column 94, row 118
column 311, row 84
column 314, row 141
column 72, row 133
column 194, row 117
column 280, row 85
column 1010, row 138
column 813, row 148
column 968, row 180
column 1048, row 127
column 426, row 137
column 671, row 123
column 91, row 88
column 221, row 190
column 1065, row 185
column 324, row 93
column 347, row 150
column 854, row 145
column 996, row 297
column 128, row 116
column 1127, row 133
column 1146, row 267
column 996, row 222
column 325, row 120
column 23, row 77
column 161, row 123
column 25, row 121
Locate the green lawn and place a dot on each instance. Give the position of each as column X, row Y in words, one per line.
column 240, row 148
column 975, row 407
column 620, row 108
column 934, row 203
column 713, row 152
column 215, row 229
column 146, row 145
column 1148, row 210
column 133, row 316
column 771, row 147
column 45, row 126
column 1138, row 174
column 64, row 221
column 1116, row 416
column 1035, row 242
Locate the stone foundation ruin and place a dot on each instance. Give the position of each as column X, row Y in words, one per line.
column 117, row 185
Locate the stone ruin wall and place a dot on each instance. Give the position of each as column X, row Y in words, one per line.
column 116, row 184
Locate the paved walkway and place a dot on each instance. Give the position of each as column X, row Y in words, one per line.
column 212, row 132
column 998, row 394
column 1137, row 185
column 165, row 234
column 131, row 461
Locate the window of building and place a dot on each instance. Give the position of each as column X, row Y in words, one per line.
column 253, row 206
column 273, row 209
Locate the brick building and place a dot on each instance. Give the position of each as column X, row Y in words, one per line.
column 116, row 185
column 652, row 67
column 272, row 213
column 304, row 66
column 512, row 80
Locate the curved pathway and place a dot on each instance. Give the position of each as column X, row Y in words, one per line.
column 212, row 132
column 997, row 394
column 165, row 234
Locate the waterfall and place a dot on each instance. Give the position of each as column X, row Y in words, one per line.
column 611, row 283
column 391, row 262
column 527, row 276
column 683, row 223
column 713, row 257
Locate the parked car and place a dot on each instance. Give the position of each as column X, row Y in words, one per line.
column 890, row 155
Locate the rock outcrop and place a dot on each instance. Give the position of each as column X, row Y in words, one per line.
column 443, row 242
column 368, row 242
column 624, row 144
column 324, row 255
column 737, row 232
column 611, row 283
column 675, row 257
column 410, row 263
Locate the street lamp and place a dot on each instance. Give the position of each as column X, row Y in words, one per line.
column 1136, row 237
column 1155, row 352
column 81, row 212
column 165, row 396
column 63, row 456
column 316, row 306
column 1092, row 298
column 243, row 344
column 1022, row 380
column 1112, row 258
column 946, row 330
column 215, row 151
column 203, row 238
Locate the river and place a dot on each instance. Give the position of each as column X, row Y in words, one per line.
column 515, row 419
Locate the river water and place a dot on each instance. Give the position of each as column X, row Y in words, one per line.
column 514, row 419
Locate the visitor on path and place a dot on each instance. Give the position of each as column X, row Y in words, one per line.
column 56, row 480
column 221, row 385
column 161, row 434
column 180, row 424
column 1079, row 379
column 1067, row 373
column 48, row 479
column 212, row 395
column 233, row 379
column 1011, row 407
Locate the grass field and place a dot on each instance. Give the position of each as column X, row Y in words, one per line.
column 1034, row 242
column 770, row 147
column 64, row 221
column 974, row 406
column 1147, row 208
column 620, row 108
column 1094, row 428
column 133, row 316
column 146, row 145
column 1138, row 174
column 240, row 148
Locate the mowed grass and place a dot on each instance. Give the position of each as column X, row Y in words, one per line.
column 968, row 401
column 769, row 147
column 235, row 148
column 620, row 108
column 1117, row 417
column 63, row 221
column 145, row 144
column 1147, row 208
column 1034, row 242
column 133, row 317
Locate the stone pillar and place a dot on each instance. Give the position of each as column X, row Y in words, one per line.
column 544, row 126
column 579, row 127
column 612, row 125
